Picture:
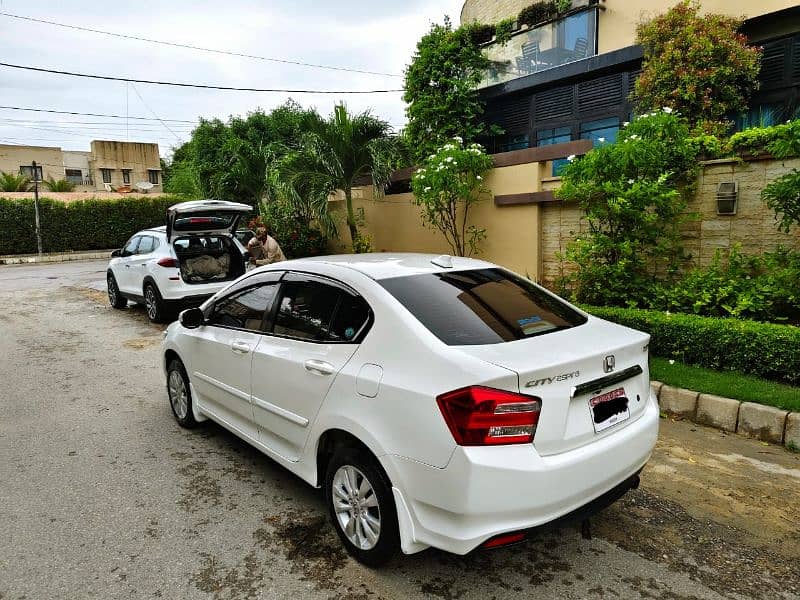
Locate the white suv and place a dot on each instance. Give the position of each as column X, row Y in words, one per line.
column 181, row 263
column 438, row 401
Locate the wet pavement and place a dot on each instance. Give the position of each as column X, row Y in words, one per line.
column 104, row 496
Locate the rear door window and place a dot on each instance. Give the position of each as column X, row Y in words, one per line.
column 306, row 309
column 481, row 306
column 146, row 245
column 351, row 317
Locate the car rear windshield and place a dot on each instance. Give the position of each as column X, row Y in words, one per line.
column 482, row 306
column 203, row 221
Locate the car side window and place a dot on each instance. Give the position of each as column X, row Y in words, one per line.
column 351, row 317
column 305, row 310
column 130, row 247
column 244, row 309
column 146, row 245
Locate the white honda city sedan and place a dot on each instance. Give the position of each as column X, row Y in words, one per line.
column 438, row 401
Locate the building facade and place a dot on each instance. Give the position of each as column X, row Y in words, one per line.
column 570, row 78
column 107, row 166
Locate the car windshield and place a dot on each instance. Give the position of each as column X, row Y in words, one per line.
column 481, row 306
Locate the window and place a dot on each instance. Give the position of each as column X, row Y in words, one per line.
column 147, row 245
column 106, row 173
column 130, row 247
column 351, row 317
column 602, row 129
column 558, row 135
column 512, row 142
column 152, row 176
column 74, row 176
column 306, row 309
column 244, row 309
column 27, row 170
column 482, row 306
column 763, row 115
column 126, row 176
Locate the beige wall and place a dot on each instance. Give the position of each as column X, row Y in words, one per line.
column 49, row 158
column 136, row 156
column 752, row 227
column 395, row 225
column 618, row 21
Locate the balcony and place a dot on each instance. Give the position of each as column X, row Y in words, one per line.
column 545, row 46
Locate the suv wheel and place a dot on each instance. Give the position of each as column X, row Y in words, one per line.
column 180, row 394
column 116, row 299
column 154, row 304
column 361, row 505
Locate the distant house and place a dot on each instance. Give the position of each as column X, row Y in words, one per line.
column 107, row 164
column 569, row 78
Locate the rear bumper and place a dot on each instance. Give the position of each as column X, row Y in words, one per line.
column 485, row 491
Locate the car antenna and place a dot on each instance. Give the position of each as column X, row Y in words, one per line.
column 444, row 260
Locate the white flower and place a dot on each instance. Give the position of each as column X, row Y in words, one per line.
column 631, row 181
column 459, row 139
column 449, row 159
column 626, row 123
column 571, row 157
column 431, row 157
column 672, row 361
column 427, row 189
column 667, row 110
column 602, row 140
column 634, row 137
column 480, row 178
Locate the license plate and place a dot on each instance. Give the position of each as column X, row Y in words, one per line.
column 609, row 409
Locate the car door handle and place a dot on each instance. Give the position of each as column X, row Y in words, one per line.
column 240, row 347
column 127, row 266
column 320, row 367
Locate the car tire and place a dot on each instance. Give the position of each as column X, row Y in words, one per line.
column 360, row 501
column 154, row 304
column 180, row 394
column 116, row 299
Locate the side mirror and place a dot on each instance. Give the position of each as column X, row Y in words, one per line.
column 116, row 253
column 192, row 318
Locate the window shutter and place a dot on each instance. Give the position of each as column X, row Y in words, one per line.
column 513, row 114
column 601, row 93
column 772, row 62
column 795, row 58
column 554, row 104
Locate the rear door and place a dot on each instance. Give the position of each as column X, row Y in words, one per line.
column 222, row 350
column 316, row 327
column 204, row 217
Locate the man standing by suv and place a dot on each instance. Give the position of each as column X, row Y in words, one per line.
column 263, row 249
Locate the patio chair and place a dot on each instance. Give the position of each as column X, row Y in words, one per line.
column 581, row 47
column 527, row 63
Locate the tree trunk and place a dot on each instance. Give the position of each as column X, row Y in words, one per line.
column 351, row 217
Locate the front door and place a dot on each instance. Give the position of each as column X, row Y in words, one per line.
column 223, row 352
column 316, row 327
column 122, row 270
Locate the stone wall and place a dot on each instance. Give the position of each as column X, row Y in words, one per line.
column 753, row 226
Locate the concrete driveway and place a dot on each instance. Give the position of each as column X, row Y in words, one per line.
column 102, row 495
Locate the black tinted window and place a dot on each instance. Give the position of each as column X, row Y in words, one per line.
column 201, row 221
column 351, row 317
column 244, row 309
column 306, row 309
column 483, row 306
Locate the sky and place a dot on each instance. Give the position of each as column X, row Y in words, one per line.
column 376, row 35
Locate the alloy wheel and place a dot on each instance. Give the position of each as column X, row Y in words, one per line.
column 150, row 303
column 356, row 507
column 112, row 291
column 177, row 394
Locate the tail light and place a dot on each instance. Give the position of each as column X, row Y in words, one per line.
column 504, row 540
column 168, row 262
column 481, row 416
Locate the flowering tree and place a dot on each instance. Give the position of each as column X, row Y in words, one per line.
column 631, row 195
column 449, row 182
column 699, row 65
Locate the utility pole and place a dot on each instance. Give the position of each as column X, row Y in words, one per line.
column 36, row 207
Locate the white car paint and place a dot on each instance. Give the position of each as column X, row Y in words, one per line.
column 383, row 391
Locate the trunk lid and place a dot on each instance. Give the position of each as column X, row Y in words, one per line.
column 204, row 217
column 576, row 381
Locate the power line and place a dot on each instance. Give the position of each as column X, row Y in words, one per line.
column 152, row 112
column 194, row 85
column 192, row 47
column 85, row 114
column 109, row 124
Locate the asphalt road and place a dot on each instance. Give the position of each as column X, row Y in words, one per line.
column 102, row 495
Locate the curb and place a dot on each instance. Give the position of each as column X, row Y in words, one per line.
column 25, row 259
column 765, row 423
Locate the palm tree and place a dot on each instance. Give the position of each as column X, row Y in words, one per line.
column 14, row 183
column 337, row 154
column 58, row 185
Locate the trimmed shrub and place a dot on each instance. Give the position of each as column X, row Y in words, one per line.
column 762, row 349
column 90, row 224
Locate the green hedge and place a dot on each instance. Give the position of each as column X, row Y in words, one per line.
column 90, row 224
column 763, row 349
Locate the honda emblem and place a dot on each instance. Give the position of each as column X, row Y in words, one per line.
column 608, row 363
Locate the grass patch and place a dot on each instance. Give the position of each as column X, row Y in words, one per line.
column 727, row 384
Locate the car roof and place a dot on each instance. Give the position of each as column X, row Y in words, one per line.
column 384, row 265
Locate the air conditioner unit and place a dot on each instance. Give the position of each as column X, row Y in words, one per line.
column 727, row 194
